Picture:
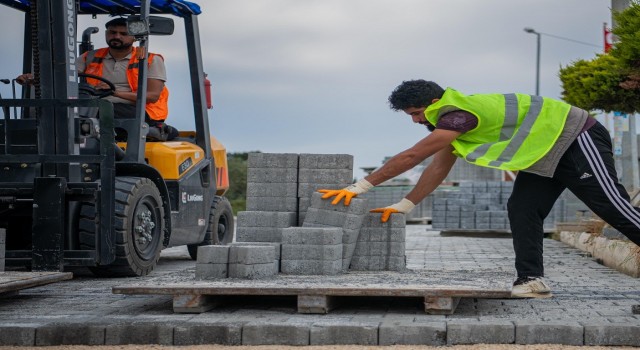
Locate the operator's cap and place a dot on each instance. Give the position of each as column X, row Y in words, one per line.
column 116, row 22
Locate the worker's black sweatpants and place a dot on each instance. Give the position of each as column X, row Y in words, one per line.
column 587, row 169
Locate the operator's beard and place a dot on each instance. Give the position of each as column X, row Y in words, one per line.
column 118, row 45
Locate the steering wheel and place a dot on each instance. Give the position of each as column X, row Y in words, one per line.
column 87, row 89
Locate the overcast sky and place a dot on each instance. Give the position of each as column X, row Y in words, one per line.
column 313, row 76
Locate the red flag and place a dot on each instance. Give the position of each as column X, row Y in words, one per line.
column 607, row 38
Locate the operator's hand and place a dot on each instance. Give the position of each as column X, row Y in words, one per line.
column 25, row 79
column 404, row 206
column 102, row 86
column 348, row 192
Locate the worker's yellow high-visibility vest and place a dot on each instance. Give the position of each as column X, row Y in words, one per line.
column 514, row 130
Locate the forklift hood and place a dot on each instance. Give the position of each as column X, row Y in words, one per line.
column 180, row 8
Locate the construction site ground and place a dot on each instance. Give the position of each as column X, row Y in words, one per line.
column 591, row 305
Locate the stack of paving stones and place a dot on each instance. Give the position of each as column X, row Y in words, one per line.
column 381, row 246
column 311, row 251
column 321, row 171
column 263, row 226
column 248, row 261
column 322, row 213
column 480, row 205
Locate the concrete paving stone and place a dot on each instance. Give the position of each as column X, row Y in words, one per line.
column 412, row 333
column 396, row 220
column 266, row 219
column 334, row 333
column 370, row 234
column 311, row 235
column 70, row 334
column 223, row 333
column 325, row 161
column 259, row 234
column 212, row 271
column 613, row 334
column 280, row 204
column 277, row 333
column 273, row 160
column 251, row 254
column 272, row 175
column 478, row 332
column 566, row 333
column 307, row 189
column 213, row 254
column 277, row 247
column 18, row 335
column 325, row 175
column 377, row 263
column 311, row 252
column 252, row 271
column 311, row 267
column 288, row 189
column 357, row 206
column 379, row 249
column 139, row 333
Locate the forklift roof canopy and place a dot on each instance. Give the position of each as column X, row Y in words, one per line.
column 119, row 7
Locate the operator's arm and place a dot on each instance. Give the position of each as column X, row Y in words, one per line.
column 438, row 140
column 154, row 88
column 433, row 175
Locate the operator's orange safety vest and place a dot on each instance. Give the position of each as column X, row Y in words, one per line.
column 156, row 110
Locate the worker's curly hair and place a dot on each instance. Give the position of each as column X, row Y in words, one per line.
column 414, row 93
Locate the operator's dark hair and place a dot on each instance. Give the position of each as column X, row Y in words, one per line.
column 116, row 22
column 414, row 93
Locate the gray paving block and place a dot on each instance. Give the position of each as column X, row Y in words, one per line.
column 307, row 189
column 532, row 332
column 379, row 249
column 253, row 271
column 18, row 335
column 281, row 204
column 357, row 206
column 311, row 267
column 377, row 263
column 277, row 247
column 266, row 219
column 610, row 334
column 272, row 175
column 480, row 332
column 251, row 254
column 259, row 234
column 70, row 334
column 213, row 254
column 336, row 333
column 273, row 160
column 325, row 161
column 412, row 333
column 139, row 333
column 325, row 175
column 288, row 189
column 212, row 271
column 276, row 333
column 311, row 252
column 395, row 221
column 208, row 333
column 311, row 235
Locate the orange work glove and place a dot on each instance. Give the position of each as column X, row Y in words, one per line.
column 404, row 206
column 348, row 192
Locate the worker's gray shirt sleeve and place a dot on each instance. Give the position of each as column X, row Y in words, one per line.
column 157, row 69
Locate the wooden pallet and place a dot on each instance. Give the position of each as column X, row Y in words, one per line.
column 13, row 281
column 440, row 289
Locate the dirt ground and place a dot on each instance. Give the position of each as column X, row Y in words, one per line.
column 326, row 347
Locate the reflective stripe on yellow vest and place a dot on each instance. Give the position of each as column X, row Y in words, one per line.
column 514, row 130
column 94, row 62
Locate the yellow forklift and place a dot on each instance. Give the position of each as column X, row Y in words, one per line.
column 71, row 193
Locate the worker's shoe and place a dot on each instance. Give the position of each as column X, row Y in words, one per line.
column 530, row 287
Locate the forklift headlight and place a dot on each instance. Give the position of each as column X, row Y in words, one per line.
column 137, row 27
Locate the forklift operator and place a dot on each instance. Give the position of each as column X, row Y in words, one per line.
column 118, row 63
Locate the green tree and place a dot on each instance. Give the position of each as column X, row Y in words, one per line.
column 609, row 82
column 237, row 193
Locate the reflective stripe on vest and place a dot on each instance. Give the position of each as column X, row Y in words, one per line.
column 498, row 141
column 94, row 62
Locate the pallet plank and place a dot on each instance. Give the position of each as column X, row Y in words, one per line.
column 440, row 305
column 194, row 303
column 315, row 304
column 13, row 281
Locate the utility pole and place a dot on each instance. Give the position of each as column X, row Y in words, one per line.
column 628, row 160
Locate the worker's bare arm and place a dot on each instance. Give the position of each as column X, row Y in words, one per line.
column 435, row 142
column 154, row 88
column 433, row 175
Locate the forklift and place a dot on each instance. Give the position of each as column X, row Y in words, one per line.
column 71, row 192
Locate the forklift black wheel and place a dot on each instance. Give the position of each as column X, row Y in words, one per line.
column 221, row 226
column 139, row 227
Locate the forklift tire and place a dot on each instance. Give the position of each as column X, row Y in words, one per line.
column 221, row 226
column 139, row 227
